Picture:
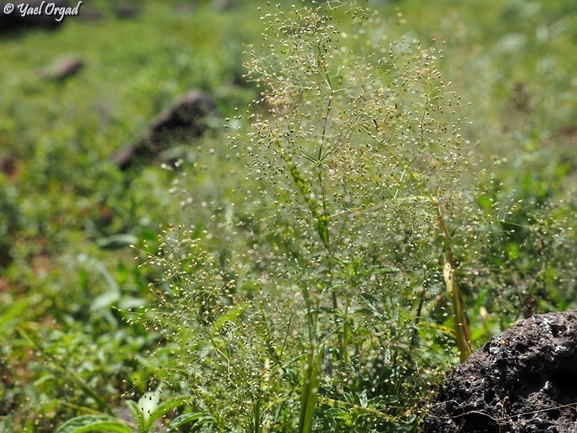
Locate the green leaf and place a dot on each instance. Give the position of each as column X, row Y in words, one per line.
column 190, row 417
column 139, row 416
column 164, row 408
column 149, row 409
column 148, row 403
column 93, row 423
column 130, row 302
column 104, row 300
column 310, row 391
column 116, row 242
column 485, row 202
column 512, row 250
column 12, row 311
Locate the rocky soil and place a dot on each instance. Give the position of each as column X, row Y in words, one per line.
column 524, row 380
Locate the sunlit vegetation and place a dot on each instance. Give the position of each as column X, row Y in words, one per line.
column 388, row 186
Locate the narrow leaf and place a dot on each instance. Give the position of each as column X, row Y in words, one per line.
column 164, row 408
column 310, row 390
column 93, row 423
column 180, row 420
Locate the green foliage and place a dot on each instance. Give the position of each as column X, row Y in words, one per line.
column 356, row 152
column 345, row 270
column 146, row 412
column 325, row 268
column 88, row 423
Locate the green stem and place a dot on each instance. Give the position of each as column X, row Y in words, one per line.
column 322, row 219
column 345, row 340
column 310, row 388
column 461, row 323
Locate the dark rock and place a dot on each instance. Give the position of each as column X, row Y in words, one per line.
column 126, row 156
column 184, row 9
column 519, row 109
column 563, row 145
column 182, row 122
column 524, row 380
column 8, row 165
column 91, row 15
column 126, row 10
column 224, row 5
column 62, row 68
column 14, row 21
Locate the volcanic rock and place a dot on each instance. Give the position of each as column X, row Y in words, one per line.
column 182, row 122
column 62, row 68
column 524, row 380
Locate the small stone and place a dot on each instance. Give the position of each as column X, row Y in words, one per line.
column 126, row 10
column 63, row 68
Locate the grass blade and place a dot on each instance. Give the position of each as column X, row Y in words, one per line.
column 93, row 423
column 310, row 391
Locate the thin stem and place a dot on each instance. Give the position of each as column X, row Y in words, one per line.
column 461, row 322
